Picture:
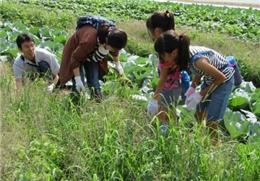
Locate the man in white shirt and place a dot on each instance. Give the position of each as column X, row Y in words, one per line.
column 34, row 60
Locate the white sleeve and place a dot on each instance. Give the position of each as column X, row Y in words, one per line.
column 54, row 65
column 18, row 69
column 119, row 67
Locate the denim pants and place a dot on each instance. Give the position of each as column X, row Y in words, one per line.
column 215, row 105
column 91, row 74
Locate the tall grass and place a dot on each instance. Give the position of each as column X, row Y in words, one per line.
column 47, row 137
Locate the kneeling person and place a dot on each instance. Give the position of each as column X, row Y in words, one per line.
column 34, row 61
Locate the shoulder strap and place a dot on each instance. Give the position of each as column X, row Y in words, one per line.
column 23, row 59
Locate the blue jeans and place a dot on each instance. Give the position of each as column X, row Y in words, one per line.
column 91, row 74
column 216, row 104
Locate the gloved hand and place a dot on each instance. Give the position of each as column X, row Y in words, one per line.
column 190, row 91
column 193, row 100
column 119, row 67
column 50, row 88
column 79, row 84
column 153, row 107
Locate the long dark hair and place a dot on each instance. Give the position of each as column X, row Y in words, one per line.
column 163, row 20
column 112, row 36
column 170, row 41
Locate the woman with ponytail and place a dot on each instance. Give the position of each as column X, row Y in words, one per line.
column 218, row 77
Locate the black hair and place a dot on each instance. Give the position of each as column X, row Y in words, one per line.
column 114, row 37
column 170, row 41
column 24, row 37
column 102, row 33
column 163, row 20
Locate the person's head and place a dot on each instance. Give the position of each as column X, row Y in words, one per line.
column 113, row 38
column 25, row 44
column 160, row 22
column 175, row 48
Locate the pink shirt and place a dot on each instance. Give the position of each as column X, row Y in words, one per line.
column 173, row 77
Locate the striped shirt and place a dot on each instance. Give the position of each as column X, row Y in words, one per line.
column 215, row 59
column 98, row 55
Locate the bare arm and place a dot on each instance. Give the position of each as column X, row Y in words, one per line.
column 76, row 71
column 115, row 58
column 56, row 79
column 208, row 69
column 196, row 81
column 163, row 77
column 19, row 83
